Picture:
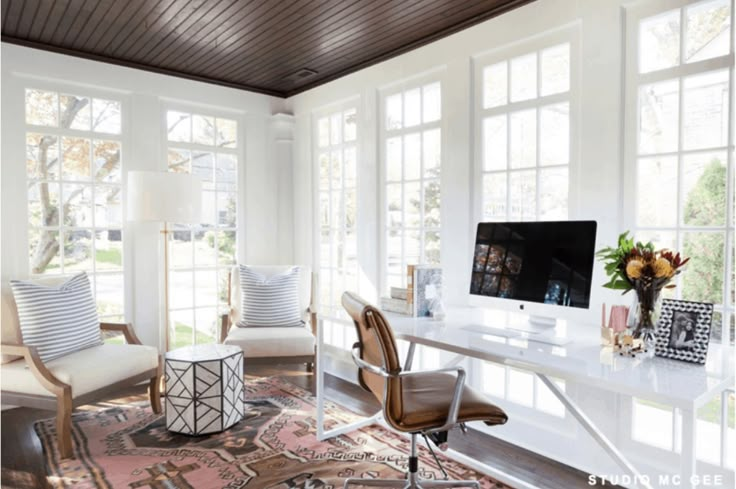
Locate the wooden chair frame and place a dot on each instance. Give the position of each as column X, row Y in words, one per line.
column 61, row 398
column 309, row 360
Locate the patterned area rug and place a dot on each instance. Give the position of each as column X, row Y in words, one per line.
column 273, row 447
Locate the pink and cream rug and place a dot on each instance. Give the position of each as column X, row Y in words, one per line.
column 275, row 446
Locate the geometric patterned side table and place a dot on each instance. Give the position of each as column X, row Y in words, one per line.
column 204, row 388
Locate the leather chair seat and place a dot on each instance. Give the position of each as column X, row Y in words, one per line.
column 426, row 402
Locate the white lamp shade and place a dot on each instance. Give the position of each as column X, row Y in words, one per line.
column 164, row 197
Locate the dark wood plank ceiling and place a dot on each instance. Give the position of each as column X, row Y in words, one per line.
column 270, row 46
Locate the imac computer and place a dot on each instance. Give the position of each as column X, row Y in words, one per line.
column 540, row 269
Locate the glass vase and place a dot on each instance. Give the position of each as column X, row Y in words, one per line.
column 646, row 319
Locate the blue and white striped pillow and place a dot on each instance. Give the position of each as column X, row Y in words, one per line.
column 57, row 320
column 269, row 302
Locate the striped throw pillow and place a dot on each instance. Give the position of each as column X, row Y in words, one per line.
column 269, row 302
column 57, row 320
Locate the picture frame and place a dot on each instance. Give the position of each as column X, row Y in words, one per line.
column 683, row 330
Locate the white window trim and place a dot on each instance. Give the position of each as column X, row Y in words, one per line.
column 566, row 34
column 634, row 80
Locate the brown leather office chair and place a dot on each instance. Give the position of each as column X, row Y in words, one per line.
column 427, row 403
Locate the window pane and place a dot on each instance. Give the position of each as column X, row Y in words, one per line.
column 335, row 129
column 553, row 194
column 704, row 179
column 659, row 41
column 76, row 112
column 523, row 138
column 77, row 205
column 336, row 169
column 431, row 153
column 324, row 170
column 203, row 166
column 106, row 155
column 206, row 322
column 203, row 130
column 179, row 160
column 205, row 288
column 495, row 85
column 393, row 112
column 226, row 207
column 350, row 209
column 227, row 133
column 109, row 250
column 393, row 159
column 77, row 250
column 227, row 247
column 181, row 289
column 658, row 117
column 42, row 156
column 412, row 247
column 323, row 132
column 182, row 328
column 43, row 204
column 412, row 201
column 412, row 156
column 76, row 159
column 556, row 69
column 494, row 196
column 412, row 107
column 42, row 108
column 204, row 248
column 524, row 77
column 703, row 281
column 226, row 172
column 393, row 204
column 432, row 102
column 432, row 247
column 393, row 252
column 432, row 201
column 494, row 143
column 660, row 239
column 108, row 206
column 179, row 126
column 705, row 110
column 523, row 195
column 708, row 30
column 106, row 116
column 350, row 119
column 180, row 248
column 110, row 293
column 554, row 136
column 349, row 167
column 44, row 251
column 656, row 190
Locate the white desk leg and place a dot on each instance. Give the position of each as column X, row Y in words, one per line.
column 687, row 460
column 597, row 435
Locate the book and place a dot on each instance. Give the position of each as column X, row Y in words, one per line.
column 410, row 285
column 398, row 293
column 427, row 289
column 399, row 306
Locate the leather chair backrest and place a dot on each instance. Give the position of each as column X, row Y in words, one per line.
column 377, row 347
column 305, row 286
column 10, row 332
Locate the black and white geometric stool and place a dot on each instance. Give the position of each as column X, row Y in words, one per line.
column 204, row 388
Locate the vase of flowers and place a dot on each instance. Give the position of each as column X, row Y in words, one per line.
column 639, row 267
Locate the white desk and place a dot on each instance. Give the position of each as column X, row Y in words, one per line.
column 682, row 385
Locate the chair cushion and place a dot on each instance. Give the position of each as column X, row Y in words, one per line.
column 270, row 301
column 85, row 370
column 305, row 287
column 272, row 342
column 426, row 401
column 57, row 320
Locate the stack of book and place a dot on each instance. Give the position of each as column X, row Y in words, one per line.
column 423, row 288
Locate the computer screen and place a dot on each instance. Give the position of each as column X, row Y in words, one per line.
column 543, row 262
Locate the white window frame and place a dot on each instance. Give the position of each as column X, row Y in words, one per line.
column 334, row 320
column 419, row 81
column 536, row 44
column 634, row 80
column 239, row 152
column 62, row 88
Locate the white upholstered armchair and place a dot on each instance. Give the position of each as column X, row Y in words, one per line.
column 75, row 379
column 273, row 345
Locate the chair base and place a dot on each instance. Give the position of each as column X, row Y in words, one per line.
column 411, row 483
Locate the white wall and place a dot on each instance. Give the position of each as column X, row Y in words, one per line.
column 144, row 96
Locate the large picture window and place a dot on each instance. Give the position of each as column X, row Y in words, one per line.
column 202, row 255
column 412, row 156
column 74, row 170
column 337, row 161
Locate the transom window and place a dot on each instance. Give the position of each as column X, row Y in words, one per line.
column 412, row 156
column 74, row 169
column 525, row 133
column 202, row 255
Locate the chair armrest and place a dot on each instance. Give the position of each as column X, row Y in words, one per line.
column 312, row 311
column 125, row 328
column 224, row 327
column 36, row 366
column 457, row 394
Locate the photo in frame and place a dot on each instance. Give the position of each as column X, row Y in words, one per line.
column 683, row 330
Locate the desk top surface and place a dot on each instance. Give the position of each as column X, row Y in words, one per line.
column 583, row 360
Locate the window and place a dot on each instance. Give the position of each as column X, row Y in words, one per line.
column 524, row 131
column 74, row 169
column 680, row 146
column 202, row 255
column 412, row 158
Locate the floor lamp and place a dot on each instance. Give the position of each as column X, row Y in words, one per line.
column 164, row 197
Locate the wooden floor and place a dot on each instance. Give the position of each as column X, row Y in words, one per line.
column 23, row 466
